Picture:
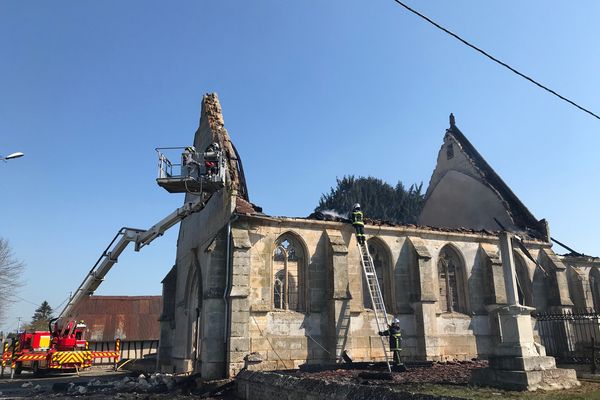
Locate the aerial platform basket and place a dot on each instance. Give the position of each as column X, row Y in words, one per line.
column 193, row 172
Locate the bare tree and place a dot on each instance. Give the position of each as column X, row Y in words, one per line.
column 11, row 270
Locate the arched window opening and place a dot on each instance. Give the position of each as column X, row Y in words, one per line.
column 523, row 281
column 595, row 288
column 451, row 281
column 288, row 274
column 540, row 290
column 381, row 263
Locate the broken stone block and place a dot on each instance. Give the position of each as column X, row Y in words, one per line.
column 252, row 359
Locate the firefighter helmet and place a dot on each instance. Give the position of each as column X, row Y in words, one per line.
column 356, row 206
column 395, row 321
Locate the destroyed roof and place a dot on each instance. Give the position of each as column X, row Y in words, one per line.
column 580, row 257
column 243, row 206
column 320, row 216
column 249, row 209
column 123, row 317
column 521, row 216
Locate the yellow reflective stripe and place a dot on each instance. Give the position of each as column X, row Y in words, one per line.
column 29, row 357
column 65, row 357
column 105, row 354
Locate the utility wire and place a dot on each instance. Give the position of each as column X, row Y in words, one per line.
column 27, row 301
column 63, row 302
column 268, row 341
column 495, row 59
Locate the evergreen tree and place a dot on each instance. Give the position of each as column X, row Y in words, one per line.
column 41, row 317
column 378, row 199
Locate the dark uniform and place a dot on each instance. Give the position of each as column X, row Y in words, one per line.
column 395, row 341
column 190, row 165
column 211, row 159
column 357, row 222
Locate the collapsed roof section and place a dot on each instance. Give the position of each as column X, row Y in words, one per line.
column 465, row 192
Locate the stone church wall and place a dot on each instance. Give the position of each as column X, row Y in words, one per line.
column 333, row 316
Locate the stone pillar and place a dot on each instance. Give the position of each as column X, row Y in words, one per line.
column 339, row 304
column 560, row 299
column 424, row 304
column 213, row 352
column 508, row 269
column 494, row 277
column 239, row 307
column 516, row 332
column 517, row 364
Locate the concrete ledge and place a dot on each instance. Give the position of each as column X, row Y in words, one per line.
column 552, row 379
column 254, row 385
column 538, row 363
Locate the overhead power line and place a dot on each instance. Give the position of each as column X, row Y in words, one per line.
column 495, row 59
column 27, row 301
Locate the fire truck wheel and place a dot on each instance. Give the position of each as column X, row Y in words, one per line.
column 18, row 368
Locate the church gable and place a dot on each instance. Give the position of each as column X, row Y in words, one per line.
column 465, row 192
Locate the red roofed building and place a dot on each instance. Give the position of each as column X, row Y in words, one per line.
column 133, row 319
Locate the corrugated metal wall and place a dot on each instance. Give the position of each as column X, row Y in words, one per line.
column 129, row 349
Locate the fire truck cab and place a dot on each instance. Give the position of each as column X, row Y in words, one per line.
column 59, row 349
column 71, row 337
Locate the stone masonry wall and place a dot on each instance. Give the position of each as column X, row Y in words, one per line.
column 271, row 385
column 285, row 338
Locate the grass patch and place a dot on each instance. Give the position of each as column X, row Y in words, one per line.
column 587, row 391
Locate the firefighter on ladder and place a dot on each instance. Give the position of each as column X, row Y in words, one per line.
column 395, row 341
column 356, row 216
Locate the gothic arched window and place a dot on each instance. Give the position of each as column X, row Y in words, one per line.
column 451, row 281
column 595, row 288
column 524, row 286
column 540, row 290
column 381, row 262
column 288, row 274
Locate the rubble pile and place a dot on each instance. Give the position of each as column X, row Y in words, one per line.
column 149, row 386
column 155, row 383
column 451, row 372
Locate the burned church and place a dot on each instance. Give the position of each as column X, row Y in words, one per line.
column 250, row 289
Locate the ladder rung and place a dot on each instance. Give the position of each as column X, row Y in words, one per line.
column 375, row 292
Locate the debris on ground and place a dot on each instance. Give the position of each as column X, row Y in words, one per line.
column 452, row 372
column 151, row 386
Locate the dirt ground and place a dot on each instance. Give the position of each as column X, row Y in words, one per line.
column 450, row 379
column 453, row 373
column 446, row 379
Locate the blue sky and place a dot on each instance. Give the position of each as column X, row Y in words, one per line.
column 310, row 91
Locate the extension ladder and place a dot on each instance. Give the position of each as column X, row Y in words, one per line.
column 375, row 295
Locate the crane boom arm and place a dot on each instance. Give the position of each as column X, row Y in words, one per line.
column 111, row 254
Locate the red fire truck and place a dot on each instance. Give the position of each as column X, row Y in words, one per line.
column 63, row 347
column 57, row 349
